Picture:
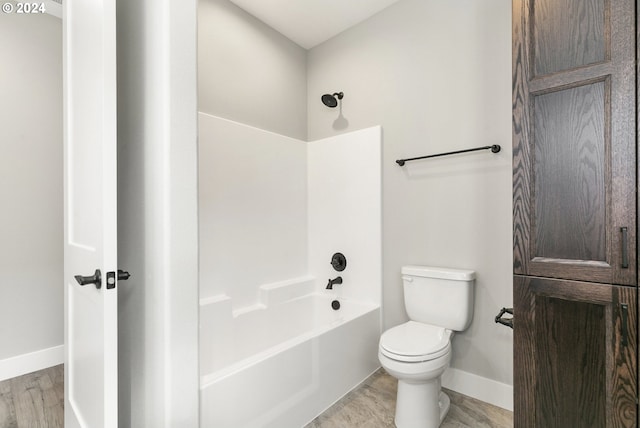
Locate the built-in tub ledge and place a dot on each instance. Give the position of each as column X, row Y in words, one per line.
column 282, row 291
column 270, row 294
column 212, row 300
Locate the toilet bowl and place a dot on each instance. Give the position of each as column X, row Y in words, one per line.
column 438, row 301
column 417, row 355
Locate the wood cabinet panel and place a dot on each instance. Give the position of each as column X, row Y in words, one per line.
column 566, row 351
column 574, row 156
column 575, row 354
column 570, row 171
column 568, row 34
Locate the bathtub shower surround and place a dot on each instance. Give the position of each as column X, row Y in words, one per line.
column 282, row 366
column 252, row 197
column 274, row 350
column 344, row 200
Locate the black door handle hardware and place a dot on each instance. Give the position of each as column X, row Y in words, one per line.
column 624, row 309
column 625, row 247
column 96, row 279
column 111, row 278
column 505, row 321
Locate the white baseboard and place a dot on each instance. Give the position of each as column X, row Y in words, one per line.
column 34, row 361
column 481, row 388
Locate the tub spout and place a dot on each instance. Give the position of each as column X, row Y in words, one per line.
column 338, row 280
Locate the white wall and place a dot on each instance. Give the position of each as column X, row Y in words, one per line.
column 437, row 76
column 252, row 209
column 31, row 263
column 248, row 72
column 157, row 212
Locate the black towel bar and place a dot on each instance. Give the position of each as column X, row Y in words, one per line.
column 494, row 149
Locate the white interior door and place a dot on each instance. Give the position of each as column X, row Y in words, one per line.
column 91, row 335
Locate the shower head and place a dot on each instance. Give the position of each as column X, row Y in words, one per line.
column 330, row 100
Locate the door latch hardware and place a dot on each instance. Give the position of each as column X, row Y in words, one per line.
column 111, row 278
column 96, row 279
column 505, row 321
column 123, row 275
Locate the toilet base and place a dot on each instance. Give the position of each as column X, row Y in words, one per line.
column 421, row 405
column 445, row 403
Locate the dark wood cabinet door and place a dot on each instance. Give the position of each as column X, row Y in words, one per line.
column 575, row 356
column 574, row 139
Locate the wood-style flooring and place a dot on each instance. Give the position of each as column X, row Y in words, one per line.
column 36, row 400
column 372, row 405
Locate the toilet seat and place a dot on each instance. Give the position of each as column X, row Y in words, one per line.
column 415, row 342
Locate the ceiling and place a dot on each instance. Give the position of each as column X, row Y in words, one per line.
column 311, row 22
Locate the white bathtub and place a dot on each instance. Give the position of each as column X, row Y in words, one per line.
column 280, row 364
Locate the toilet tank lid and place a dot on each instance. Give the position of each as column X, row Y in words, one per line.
column 439, row 272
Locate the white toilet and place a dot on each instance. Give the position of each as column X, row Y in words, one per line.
column 438, row 301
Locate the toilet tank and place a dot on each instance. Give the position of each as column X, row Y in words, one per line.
column 439, row 296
